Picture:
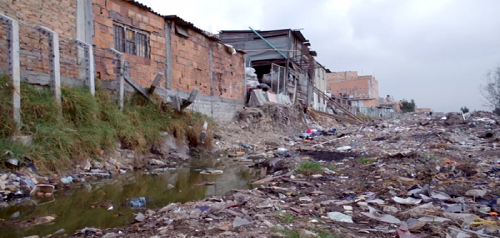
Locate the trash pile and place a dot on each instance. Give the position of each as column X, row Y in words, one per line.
column 22, row 177
column 416, row 176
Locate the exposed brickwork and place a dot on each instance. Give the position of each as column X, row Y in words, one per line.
column 142, row 70
column 229, row 73
column 363, row 88
column 59, row 16
column 191, row 66
column 190, row 61
column 190, row 57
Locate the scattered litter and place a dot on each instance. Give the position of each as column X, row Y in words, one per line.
column 477, row 193
column 407, row 201
column 440, row 196
column 433, row 219
column 67, row 180
column 281, row 150
column 376, row 201
column 305, row 199
column 140, row 217
column 390, row 209
column 404, row 232
column 380, row 216
column 211, row 172
column 138, row 202
column 344, row 148
column 240, row 222
column 348, row 208
column 13, row 161
column 452, row 208
column 15, row 215
column 340, row 217
column 203, row 208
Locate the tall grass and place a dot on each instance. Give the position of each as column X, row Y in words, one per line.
column 89, row 125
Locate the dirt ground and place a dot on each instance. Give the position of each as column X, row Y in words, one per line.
column 412, row 177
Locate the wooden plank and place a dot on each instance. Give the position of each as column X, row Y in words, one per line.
column 155, row 83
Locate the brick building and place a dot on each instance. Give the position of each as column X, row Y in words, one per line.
column 360, row 90
column 34, row 46
column 151, row 43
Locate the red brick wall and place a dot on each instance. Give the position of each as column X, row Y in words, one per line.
column 229, row 73
column 190, row 61
column 190, row 58
column 59, row 16
column 191, row 66
column 142, row 70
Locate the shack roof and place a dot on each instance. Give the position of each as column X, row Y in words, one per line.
column 296, row 33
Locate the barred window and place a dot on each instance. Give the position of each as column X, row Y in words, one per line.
column 131, row 41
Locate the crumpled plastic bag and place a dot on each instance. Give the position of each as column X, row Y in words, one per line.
column 380, row 216
column 404, row 232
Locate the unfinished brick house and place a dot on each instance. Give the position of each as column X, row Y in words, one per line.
column 151, row 43
column 361, row 91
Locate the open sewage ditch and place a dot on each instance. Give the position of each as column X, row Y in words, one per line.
column 112, row 202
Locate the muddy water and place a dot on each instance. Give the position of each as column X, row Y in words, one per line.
column 88, row 206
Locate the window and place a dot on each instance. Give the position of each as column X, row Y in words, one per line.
column 181, row 31
column 131, row 41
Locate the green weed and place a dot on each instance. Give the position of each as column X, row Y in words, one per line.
column 288, row 233
column 322, row 233
column 287, row 217
column 366, row 160
column 308, row 167
column 332, row 168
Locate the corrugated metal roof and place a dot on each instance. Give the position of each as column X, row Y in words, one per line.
column 176, row 19
column 190, row 25
column 140, row 5
column 296, row 33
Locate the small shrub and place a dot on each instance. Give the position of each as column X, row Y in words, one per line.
column 308, row 167
column 366, row 160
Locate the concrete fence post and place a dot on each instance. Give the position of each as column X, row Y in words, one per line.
column 14, row 66
column 55, row 66
column 89, row 64
column 120, row 65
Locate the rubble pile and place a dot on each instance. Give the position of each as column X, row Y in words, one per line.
column 266, row 126
column 24, row 177
column 416, row 176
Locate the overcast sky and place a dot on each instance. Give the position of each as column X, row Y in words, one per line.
column 434, row 51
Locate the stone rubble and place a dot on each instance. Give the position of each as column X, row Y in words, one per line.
column 415, row 176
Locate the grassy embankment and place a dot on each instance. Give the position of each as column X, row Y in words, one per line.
column 88, row 125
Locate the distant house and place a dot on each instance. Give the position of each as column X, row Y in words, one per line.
column 361, row 91
column 284, row 54
column 319, row 102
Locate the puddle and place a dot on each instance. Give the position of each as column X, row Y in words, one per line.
column 87, row 207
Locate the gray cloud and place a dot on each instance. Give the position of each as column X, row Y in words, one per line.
column 436, row 52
